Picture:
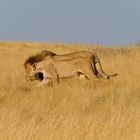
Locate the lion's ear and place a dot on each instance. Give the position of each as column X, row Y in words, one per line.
column 34, row 66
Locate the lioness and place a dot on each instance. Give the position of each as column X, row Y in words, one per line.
column 54, row 69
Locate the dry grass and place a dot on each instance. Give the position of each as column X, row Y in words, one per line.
column 73, row 109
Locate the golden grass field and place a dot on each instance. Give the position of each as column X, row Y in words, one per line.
column 74, row 109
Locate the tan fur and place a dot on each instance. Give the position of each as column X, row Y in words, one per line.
column 80, row 67
column 86, row 60
column 84, row 54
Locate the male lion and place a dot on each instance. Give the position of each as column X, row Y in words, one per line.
column 54, row 69
column 84, row 54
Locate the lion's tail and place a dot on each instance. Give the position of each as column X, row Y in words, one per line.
column 97, row 60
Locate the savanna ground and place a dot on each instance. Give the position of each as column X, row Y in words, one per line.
column 73, row 109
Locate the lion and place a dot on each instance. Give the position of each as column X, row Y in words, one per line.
column 44, row 55
column 52, row 70
column 84, row 54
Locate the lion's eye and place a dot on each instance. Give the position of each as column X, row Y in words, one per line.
column 34, row 66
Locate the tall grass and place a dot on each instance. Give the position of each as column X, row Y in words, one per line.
column 73, row 109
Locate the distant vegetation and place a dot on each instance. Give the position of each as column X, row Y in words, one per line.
column 73, row 109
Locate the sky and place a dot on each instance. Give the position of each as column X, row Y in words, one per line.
column 108, row 22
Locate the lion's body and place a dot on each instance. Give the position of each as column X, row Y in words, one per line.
column 72, row 67
column 54, row 69
column 81, row 63
column 80, row 54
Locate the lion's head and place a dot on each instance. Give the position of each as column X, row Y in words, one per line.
column 30, row 65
